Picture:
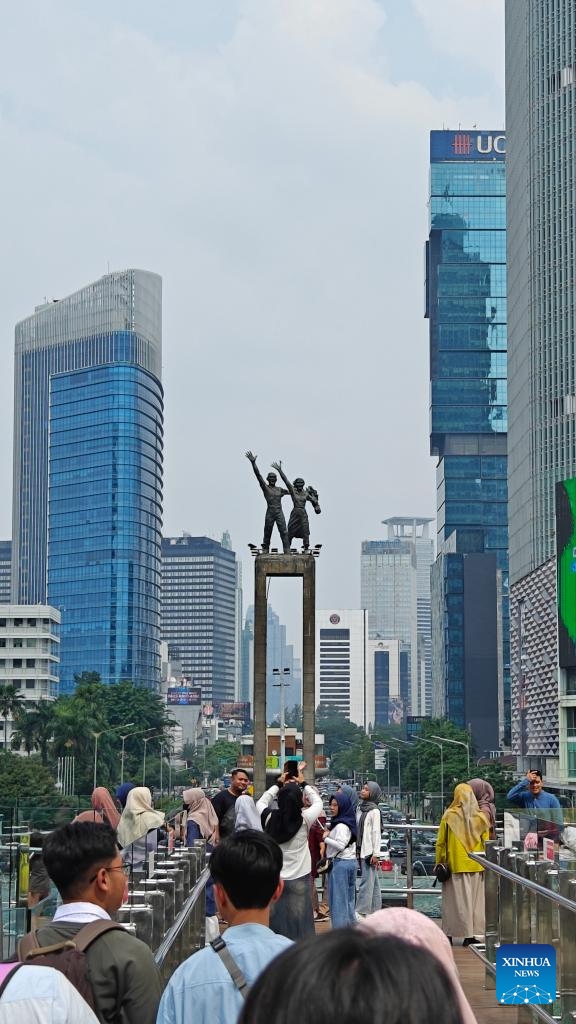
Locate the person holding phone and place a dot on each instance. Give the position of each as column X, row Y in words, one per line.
column 292, row 914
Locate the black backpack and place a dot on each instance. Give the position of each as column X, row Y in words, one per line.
column 67, row 956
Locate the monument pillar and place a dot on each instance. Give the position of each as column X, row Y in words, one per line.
column 266, row 565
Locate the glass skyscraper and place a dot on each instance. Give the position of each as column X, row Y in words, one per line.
column 87, row 514
column 199, row 583
column 466, row 307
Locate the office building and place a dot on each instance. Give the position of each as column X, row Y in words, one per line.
column 466, row 308
column 341, row 672
column 540, row 116
column 387, row 682
column 29, row 654
column 5, row 570
column 88, row 437
column 395, row 591
column 198, row 614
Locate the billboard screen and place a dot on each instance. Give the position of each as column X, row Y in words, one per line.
column 236, row 710
column 566, row 571
column 395, row 711
column 184, row 695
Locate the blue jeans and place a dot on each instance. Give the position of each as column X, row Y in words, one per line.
column 369, row 896
column 342, row 892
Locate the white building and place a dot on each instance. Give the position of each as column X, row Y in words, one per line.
column 341, row 680
column 29, row 653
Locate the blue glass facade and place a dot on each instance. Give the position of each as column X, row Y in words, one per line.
column 466, row 307
column 88, row 413
column 104, row 521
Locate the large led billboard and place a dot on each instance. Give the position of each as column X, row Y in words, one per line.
column 566, row 571
column 184, row 695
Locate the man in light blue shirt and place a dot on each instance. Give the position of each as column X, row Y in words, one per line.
column 546, row 819
column 246, row 871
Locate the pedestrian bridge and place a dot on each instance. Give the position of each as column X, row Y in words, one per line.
column 527, row 900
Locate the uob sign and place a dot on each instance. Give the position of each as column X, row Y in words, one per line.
column 491, row 143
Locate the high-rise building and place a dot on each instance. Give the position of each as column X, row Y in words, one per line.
column 5, row 570
column 466, row 307
column 279, row 656
column 540, row 115
column 88, row 438
column 395, row 591
column 198, row 612
column 341, row 672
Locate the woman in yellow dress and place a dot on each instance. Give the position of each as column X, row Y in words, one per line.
column 464, row 829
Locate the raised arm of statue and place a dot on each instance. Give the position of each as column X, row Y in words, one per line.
column 252, row 458
column 278, row 466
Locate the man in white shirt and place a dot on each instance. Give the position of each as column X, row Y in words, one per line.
column 246, row 872
column 42, row 995
column 369, row 898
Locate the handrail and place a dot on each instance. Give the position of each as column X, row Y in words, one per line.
column 526, row 883
column 173, row 932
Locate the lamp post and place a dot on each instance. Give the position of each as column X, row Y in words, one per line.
column 97, row 736
column 388, row 742
column 282, row 683
column 423, row 739
column 146, row 742
column 457, row 743
column 124, row 738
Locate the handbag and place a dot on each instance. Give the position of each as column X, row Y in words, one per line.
column 324, row 865
column 441, row 872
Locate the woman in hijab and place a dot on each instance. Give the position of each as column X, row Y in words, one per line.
column 103, row 809
column 202, row 823
column 418, row 930
column 246, row 815
column 201, row 818
column 352, row 793
column 485, row 796
column 137, row 831
column 463, row 829
column 340, row 842
column 292, row 914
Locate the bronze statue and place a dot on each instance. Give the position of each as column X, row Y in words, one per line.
column 274, row 513
column 298, row 525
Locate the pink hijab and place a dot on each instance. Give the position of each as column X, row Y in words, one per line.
column 419, row 930
column 104, row 809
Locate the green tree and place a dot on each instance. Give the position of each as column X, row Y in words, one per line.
column 221, row 758
column 24, row 731
column 11, row 701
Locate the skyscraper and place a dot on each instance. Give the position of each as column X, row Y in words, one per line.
column 395, row 591
column 88, row 437
column 466, row 307
column 199, row 612
column 540, row 115
column 279, row 656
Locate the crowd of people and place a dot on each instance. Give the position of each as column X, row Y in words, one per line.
column 265, row 857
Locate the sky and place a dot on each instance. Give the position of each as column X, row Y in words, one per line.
column 269, row 158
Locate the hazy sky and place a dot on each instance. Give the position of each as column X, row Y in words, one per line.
column 269, row 159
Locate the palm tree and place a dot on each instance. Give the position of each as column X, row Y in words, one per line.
column 24, row 731
column 11, row 700
column 44, row 717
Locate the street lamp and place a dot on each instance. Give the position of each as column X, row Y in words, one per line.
column 423, row 739
column 399, row 775
column 124, row 738
column 283, row 682
column 458, row 743
column 97, row 736
column 146, row 742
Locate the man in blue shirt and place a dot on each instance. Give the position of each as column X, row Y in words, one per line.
column 246, row 871
column 529, row 792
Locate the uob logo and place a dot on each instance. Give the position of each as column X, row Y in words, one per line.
column 489, row 143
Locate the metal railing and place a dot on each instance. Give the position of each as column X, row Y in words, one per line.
column 410, row 890
column 527, row 901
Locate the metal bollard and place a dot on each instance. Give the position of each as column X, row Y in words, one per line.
column 493, row 851
column 507, row 900
column 566, row 959
column 157, row 900
column 168, row 887
column 141, row 916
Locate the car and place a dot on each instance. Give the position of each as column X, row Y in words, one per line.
column 423, row 862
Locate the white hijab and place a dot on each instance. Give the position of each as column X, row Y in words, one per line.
column 138, row 817
column 246, row 815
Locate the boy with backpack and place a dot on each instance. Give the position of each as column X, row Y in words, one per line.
column 113, row 970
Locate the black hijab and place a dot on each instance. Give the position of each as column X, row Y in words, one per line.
column 284, row 823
